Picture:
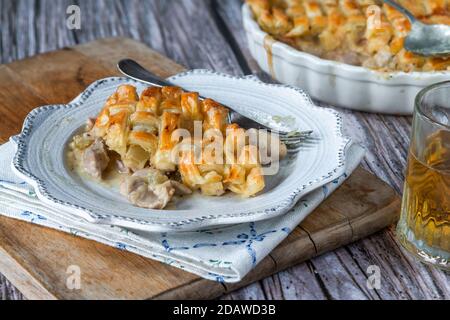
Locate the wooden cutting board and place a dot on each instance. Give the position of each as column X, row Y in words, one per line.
column 36, row 259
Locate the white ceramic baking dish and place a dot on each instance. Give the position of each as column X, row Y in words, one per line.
column 333, row 82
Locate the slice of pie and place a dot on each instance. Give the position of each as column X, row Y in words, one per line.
column 150, row 139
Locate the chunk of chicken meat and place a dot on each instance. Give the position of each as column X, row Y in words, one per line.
column 121, row 167
column 95, row 159
column 148, row 188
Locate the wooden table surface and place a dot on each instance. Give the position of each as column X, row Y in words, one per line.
column 209, row 34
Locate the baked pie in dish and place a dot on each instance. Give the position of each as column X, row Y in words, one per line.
column 136, row 137
column 364, row 33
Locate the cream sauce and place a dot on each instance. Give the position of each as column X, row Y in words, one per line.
column 111, row 176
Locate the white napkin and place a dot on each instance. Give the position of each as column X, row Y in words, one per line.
column 224, row 255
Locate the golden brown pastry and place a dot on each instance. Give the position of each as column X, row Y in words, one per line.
column 367, row 33
column 142, row 133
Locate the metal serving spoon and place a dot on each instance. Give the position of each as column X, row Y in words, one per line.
column 425, row 40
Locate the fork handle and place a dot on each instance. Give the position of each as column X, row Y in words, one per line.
column 134, row 70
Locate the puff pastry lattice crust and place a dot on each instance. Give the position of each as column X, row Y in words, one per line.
column 358, row 32
column 140, row 129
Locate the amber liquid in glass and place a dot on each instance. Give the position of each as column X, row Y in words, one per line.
column 425, row 222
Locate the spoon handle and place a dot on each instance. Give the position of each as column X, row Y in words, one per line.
column 400, row 8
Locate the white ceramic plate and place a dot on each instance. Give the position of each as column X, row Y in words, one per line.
column 42, row 145
column 337, row 83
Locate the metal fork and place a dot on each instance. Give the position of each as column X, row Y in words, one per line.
column 134, row 70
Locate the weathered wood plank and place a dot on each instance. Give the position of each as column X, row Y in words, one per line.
column 300, row 282
column 50, row 75
column 102, row 51
column 7, row 291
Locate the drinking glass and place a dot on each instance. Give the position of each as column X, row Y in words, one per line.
column 424, row 225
